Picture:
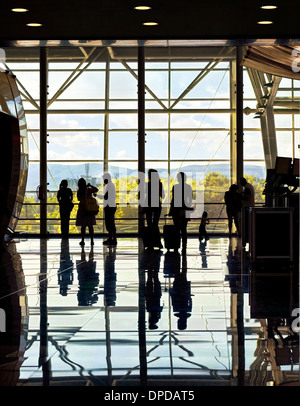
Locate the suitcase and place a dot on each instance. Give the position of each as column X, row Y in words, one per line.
column 171, row 237
column 148, row 240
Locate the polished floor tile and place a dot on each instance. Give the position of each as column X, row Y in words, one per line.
column 125, row 316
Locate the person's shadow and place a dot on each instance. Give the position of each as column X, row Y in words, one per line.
column 88, row 280
column 65, row 272
column 181, row 295
column 110, row 277
column 151, row 264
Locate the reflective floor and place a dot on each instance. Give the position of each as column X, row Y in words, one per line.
column 125, row 316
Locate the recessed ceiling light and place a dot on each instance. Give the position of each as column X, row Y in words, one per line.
column 142, row 8
column 19, row 10
column 150, row 23
column 34, row 24
column 265, row 22
column 268, row 7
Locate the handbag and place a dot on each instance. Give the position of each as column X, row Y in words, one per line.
column 91, row 206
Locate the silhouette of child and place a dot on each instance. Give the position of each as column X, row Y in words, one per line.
column 202, row 227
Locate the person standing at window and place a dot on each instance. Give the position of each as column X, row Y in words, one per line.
column 84, row 218
column 233, row 207
column 65, row 200
column 181, row 207
column 110, row 207
column 154, row 197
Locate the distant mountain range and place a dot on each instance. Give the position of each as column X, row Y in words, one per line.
column 93, row 172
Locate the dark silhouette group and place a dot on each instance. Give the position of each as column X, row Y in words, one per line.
column 237, row 200
column 88, row 208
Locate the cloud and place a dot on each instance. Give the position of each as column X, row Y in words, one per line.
column 75, row 140
column 122, row 155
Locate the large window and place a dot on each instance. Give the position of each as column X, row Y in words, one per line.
column 93, row 125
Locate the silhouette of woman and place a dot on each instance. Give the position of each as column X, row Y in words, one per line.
column 154, row 197
column 181, row 205
column 65, row 197
column 84, row 218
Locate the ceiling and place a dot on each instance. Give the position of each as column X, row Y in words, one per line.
column 118, row 20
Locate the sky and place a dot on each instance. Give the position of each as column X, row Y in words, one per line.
column 199, row 140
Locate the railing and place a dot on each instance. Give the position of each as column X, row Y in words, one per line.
column 125, row 225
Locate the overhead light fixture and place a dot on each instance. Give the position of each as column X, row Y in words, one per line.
column 143, row 8
column 34, row 25
column 265, row 22
column 19, row 10
column 268, row 7
column 150, row 23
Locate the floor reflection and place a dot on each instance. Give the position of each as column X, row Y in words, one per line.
column 125, row 316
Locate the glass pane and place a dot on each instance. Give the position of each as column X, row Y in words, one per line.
column 67, row 146
column 122, row 145
column 153, row 139
column 253, row 147
column 200, row 145
column 284, row 143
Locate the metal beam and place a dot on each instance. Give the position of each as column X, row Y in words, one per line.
column 239, row 115
column 233, row 157
column 64, row 85
column 141, row 127
column 43, row 139
column 146, row 87
column 208, row 68
column 26, row 94
column 106, row 117
column 271, row 133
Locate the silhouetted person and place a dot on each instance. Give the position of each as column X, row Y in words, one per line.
column 202, row 227
column 110, row 277
column 154, row 197
column 181, row 296
column 153, row 288
column 4, row 212
column 233, row 207
column 181, row 206
column 84, row 218
column 248, row 193
column 110, row 207
column 65, row 200
column 88, row 280
column 65, row 272
column 248, row 200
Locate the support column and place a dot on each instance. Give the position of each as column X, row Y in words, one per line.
column 141, row 127
column 43, row 139
column 233, row 151
column 106, row 117
column 239, row 115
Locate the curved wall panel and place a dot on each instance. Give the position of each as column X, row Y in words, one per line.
column 13, row 148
